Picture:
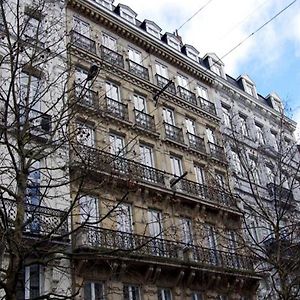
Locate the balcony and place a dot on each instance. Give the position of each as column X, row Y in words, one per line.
column 144, row 120
column 86, row 97
column 187, row 96
column 38, row 121
column 162, row 81
column 282, row 195
column 166, row 251
column 39, row 220
column 116, row 109
column 117, row 165
column 196, row 143
column 112, row 57
column 174, row 133
column 138, row 70
column 207, row 106
column 217, row 152
column 82, row 41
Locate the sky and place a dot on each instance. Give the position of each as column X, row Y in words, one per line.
column 270, row 57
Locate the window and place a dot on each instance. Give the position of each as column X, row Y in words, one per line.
column 85, row 134
column 200, row 176
column 254, row 171
column 131, row 292
column 236, row 163
column 233, row 246
column 192, row 55
column 249, row 89
column 93, row 291
column 190, row 126
column 259, row 133
column 127, row 15
column 153, row 30
column 84, row 95
column 226, row 116
column 168, row 116
column 176, row 165
column 196, row 296
column 210, row 135
column 112, row 91
column 30, row 283
column 173, row 43
column 216, row 69
column 146, row 153
column 202, row 92
column 182, row 81
column 109, row 42
column 105, row 3
column 140, row 103
column 164, row 294
column 80, row 75
column 33, row 195
column 270, row 174
column 243, row 126
column 81, row 27
column 124, row 218
column 88, row 206
column 274, row 140
column 186, row 230
column 30, row 88
column 156, row 231
column 161, row 70
column 117, row 145
column 33, row 27
column 212, row 243
column 220, row 178
column 135, row 55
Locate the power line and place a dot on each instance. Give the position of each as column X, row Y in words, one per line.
column 258, row 29
column 189, row 19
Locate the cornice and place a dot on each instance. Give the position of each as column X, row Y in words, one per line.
column 141, row 39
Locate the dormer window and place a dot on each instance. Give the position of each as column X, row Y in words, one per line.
column 128, row 14
column 153, row 30
column 105, row 3
column 247, row 84
column 249, row 89
column 214, row 63
column 192, row 55
column 173, row 43
column 216, row 69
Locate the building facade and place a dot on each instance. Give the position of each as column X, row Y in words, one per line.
column 158, row 219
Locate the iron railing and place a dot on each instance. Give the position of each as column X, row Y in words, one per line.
column 207, row 106
column 217, row 152
column 144, row 120
column 86, row 97
column 39, row 220
column 112, row 57
column 187, row 95
column 138, row 70
column 118, row 165
column 162, row 81
column 82, row 41
column 196, row 143
column 112, row 241
column 38, row 121
column 173, row 133
column 116, row 108
column 280, row 193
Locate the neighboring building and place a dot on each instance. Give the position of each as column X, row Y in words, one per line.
column 159, row 221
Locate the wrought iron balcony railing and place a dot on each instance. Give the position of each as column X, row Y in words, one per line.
column 39, row 220
column 86, row 97
column 217, row 152
column 144, row 120
column 280, row 193
column 162, row 81
column 82, row 41
column 138, row 70
column 154, row 247
column 116, row 108
column 187, row 95
column 174, row 133
column 196, row 143
column 118, row 165
column 38, row 121
column 112, row 57
column 207, row 106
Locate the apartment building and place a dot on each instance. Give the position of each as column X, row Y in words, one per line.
column 34, row 184
column 155, row 216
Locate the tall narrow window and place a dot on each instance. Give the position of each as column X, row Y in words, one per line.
column 85, row 134
column 259, row 134
column 200, row 177
column 212, row 243
column 33, row 27
column 112, row 91
column 164, row 294
column 93, row 291
column 146, row 153
column 254, row 171
column 131, row 292
column 210, row 135
column 182, row 81
column 140, row 103
column 176, row 165
column 81, row 27
column 156, row 231
column 169, row 116
column 33, row 194
column 226, row 116
column 190, row 125
column 109, row 42
column 243, row 126
column 236, row 163
column 161, row 70
column 202, row 92
column 274, row 140
column 117, row 145
column 124, row 218
column 186, row 230
column 89, row 212
column 135, row 55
